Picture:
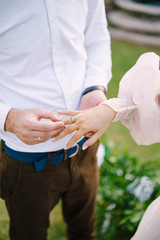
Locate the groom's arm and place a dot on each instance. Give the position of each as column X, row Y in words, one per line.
column 92, row 99
column 97, row 43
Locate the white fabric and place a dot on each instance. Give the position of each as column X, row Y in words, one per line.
column 138, row 108
column 138, row 102
column 148, row 228
column 50, row 51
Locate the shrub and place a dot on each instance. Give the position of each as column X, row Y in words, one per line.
column 126, row 189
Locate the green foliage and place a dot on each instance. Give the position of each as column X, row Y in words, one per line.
column 126, row 189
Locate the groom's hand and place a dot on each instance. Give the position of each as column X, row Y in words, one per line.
column 92, row 99
column 28, row 127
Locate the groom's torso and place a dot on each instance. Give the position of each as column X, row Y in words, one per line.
column 42, row 55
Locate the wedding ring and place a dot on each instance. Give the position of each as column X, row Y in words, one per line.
column 39, row 139
column 72, row 120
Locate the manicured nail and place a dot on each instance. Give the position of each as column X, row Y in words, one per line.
column 84, row 148
column 53, row 139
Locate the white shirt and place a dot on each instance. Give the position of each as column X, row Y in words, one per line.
column 50, row 51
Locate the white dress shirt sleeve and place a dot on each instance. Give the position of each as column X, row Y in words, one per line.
column 97, row 43
column 4, row 109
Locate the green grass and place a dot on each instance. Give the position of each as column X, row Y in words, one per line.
column 124, row 56
column 3, row 222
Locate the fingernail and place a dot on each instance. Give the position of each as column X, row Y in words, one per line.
column 84, row 148
column 53, row 139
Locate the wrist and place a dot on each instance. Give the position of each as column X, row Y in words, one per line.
column 9, row 123
column 93, row 88
column 108, row 110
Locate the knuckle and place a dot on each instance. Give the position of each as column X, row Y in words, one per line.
column 26, row 124
column 51, row 127
column 45, row 139
column 26, row 142
column 75, row 137
column 80, row 121
column 48, row 128
column 84, row 127
column 47, row 135
column 68, row 129
column 56, row 131
column 24, row 134
column 45, row 128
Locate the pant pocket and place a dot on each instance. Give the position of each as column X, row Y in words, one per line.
column 9, row 176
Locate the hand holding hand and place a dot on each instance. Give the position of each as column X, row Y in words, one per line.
column 95, row 120
column 29, row 128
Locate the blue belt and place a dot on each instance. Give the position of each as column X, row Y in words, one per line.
column 40, row 159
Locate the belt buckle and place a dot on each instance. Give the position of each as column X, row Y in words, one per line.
column 72, row 155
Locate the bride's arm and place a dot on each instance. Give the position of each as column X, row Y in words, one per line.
column 95, row 120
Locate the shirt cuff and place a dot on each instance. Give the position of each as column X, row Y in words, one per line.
column 95, row 81
column 4, row 109
column 123, row 107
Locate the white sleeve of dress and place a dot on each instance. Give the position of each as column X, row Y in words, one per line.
column 137, row 104
column 123, row 107
column 148, row 228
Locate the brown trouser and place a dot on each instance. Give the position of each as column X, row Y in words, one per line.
column 30, row 196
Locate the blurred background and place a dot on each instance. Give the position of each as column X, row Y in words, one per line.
column 130, row 174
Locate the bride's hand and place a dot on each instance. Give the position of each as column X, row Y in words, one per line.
column 95, row 120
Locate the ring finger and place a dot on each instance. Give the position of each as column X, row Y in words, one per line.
column 69, row 120
column 39, row 137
